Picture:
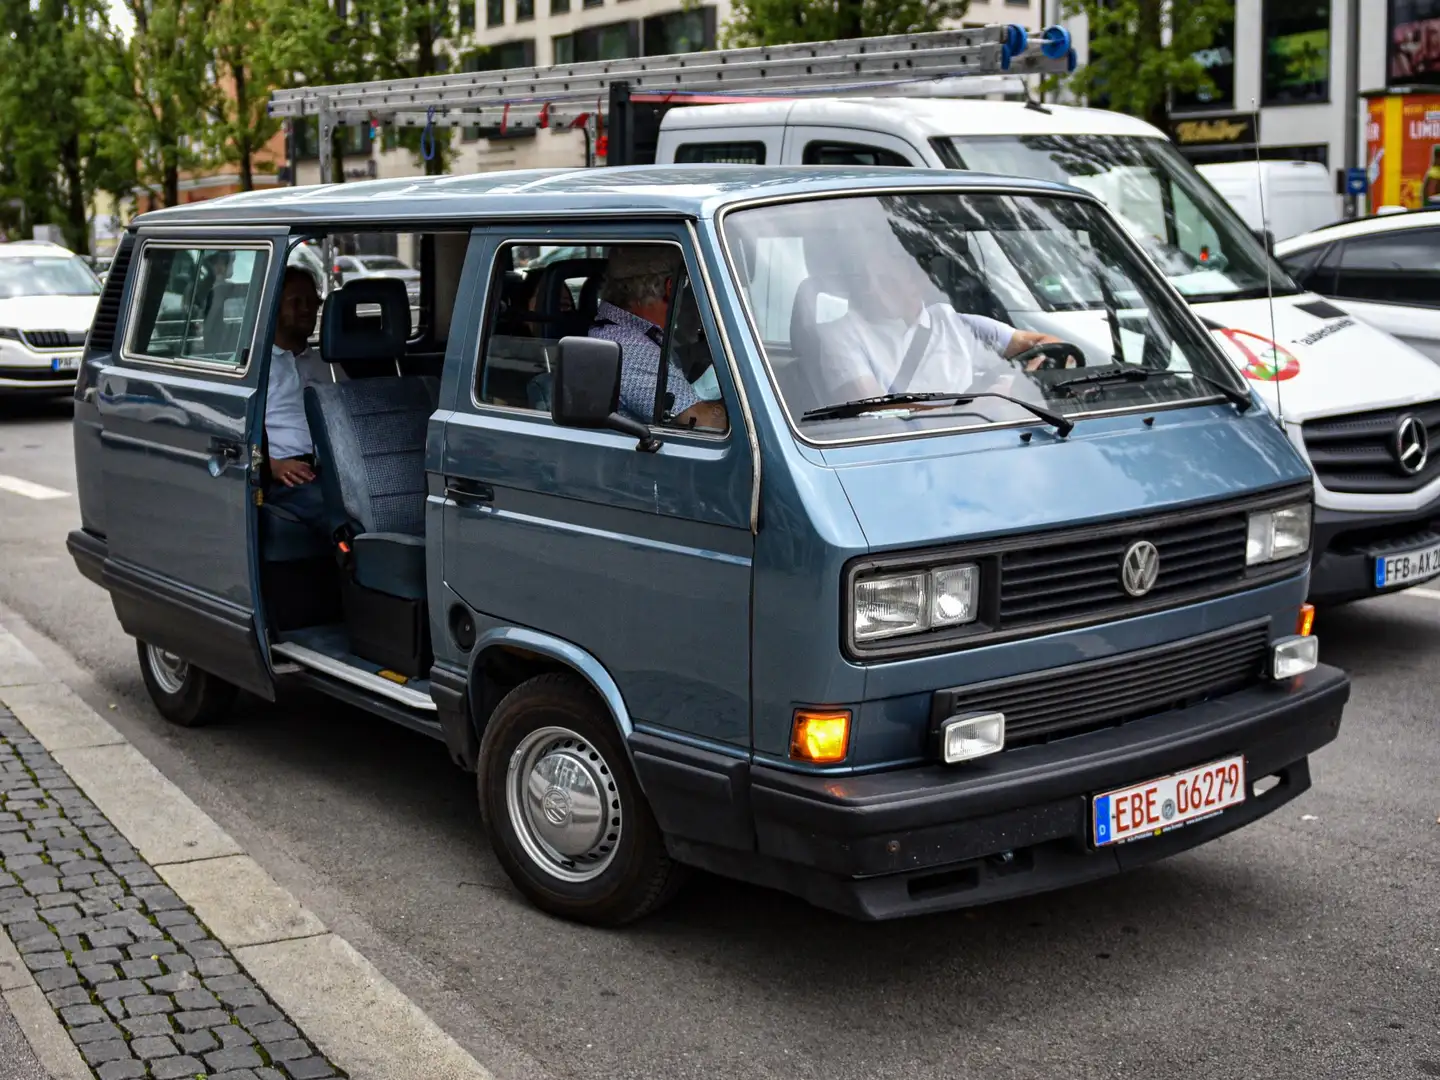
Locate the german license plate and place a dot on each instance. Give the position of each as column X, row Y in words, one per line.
column 65, row 363
column 1408, row 566
column 1158, row 806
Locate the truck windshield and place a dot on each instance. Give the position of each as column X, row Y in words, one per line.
column 929, row 295
column 1187, row 228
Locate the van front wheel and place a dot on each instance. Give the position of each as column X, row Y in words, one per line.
column 183, row 693
column 563, row 811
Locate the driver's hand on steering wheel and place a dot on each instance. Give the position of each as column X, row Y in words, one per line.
column 1028, row 339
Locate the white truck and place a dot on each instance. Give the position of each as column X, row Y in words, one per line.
column 1359, row 404
column 1353, row 399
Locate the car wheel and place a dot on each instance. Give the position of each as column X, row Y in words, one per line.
column 183, row 693
column 562, row 808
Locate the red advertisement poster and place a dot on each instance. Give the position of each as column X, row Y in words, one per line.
column 1402, row 150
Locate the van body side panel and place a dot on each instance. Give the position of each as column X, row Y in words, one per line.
column 643, row 560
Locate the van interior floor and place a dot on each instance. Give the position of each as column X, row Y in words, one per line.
column 324, row 652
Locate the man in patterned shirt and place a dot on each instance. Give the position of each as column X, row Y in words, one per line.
column 634, row 305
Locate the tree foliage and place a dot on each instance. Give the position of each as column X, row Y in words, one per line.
column 778, row 22
column 1142, row 51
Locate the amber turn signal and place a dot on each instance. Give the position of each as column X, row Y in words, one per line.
column 1306, row 622
column 820, row 736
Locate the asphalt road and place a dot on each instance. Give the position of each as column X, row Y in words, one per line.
column 1307, row 945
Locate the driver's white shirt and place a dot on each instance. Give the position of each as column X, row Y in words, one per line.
column 961, row 345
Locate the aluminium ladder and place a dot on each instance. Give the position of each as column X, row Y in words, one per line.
column 583, row 94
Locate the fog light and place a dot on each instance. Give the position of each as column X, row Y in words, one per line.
column 963, row 738
column 1294, row 656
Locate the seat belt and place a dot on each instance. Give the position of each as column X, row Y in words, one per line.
column 911, row 363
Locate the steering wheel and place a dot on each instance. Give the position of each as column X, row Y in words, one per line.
column 1055, row 354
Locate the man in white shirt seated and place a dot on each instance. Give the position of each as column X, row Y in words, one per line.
column 291, row 447
column 898, row 336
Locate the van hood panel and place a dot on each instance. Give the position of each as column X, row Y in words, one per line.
column 924, row 492
column 1329, row 362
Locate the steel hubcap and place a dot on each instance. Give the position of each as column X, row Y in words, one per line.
column 563, row 803
column 169, row 670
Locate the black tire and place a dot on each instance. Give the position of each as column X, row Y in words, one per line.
column 638, row 876
column 183, row 693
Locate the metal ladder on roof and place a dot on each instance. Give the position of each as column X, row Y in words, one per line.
column 569, row 95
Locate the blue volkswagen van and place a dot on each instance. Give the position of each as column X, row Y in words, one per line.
column 898, row 539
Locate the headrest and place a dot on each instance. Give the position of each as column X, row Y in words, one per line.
column 347, row 333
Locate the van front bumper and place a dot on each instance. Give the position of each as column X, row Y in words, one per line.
column 1347, row 543
column 930, row 838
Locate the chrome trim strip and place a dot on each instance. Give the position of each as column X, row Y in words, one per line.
column 338, row 669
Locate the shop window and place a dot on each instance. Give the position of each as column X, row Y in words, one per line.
column 1296, row 65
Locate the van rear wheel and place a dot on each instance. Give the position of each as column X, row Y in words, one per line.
column 183, row 693
column 562, row 808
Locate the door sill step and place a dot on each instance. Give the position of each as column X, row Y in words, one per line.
column 338, row 669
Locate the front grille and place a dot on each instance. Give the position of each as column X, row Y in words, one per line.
column 53, row 339
column 1064, row 578
column 1101, row 693
column 1356, row 453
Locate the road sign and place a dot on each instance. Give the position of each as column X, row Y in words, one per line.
column 1356, row 182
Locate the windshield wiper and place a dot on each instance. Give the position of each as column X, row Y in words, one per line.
column 846, row 409
column 1239, row 398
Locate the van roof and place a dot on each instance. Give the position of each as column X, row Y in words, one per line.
column 922, row 117
column 678, row 190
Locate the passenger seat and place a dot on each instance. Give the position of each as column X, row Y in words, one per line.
column 370, row 443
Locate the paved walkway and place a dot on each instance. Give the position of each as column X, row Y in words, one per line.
column 142, row 986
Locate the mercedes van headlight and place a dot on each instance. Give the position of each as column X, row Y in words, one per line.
column 1276, row 535
column 912, row 602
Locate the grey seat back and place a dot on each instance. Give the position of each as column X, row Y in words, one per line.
column 370, row 438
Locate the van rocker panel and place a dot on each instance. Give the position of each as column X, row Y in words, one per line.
column 868, row 844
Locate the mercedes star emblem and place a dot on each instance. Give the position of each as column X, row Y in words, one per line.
column 1140, row 568
column 1412, row 445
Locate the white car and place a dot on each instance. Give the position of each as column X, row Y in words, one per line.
column 47, row 299
column 1357, row 402
column 1385, row 270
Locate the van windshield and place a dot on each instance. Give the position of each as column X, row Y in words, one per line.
column 948, row 293
column 1186, row 227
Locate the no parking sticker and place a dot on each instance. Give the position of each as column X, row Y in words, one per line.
column 1267, row 363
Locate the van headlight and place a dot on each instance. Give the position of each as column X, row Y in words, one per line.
column 912, row 602
column 1276, row 535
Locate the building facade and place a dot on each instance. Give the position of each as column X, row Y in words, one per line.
column 1308, row 80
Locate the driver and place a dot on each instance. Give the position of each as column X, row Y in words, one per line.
column 891, row 341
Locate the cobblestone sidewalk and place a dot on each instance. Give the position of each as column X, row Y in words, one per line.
column 142, row 987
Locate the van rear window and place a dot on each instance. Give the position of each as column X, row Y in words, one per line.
column 197, row 304
column 721, row 153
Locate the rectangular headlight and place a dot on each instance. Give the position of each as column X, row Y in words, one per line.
column 1276, row 535
column 915, row 601
column 964, row 738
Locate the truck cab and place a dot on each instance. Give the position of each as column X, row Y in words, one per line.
column 1345, row 391
column 899, row 540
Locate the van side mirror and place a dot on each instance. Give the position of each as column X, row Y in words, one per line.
column 586, row 390
column 1266, row 237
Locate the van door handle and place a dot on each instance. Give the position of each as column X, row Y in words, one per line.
column 468, row 492
column 222, row 455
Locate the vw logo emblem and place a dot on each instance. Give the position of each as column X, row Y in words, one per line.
column 1140, row 568
column 1412, row 445
column 555, row 804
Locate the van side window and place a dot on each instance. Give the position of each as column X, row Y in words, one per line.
column 634, row 294
column 838, row 153
column 721, row 153
column 197, row 304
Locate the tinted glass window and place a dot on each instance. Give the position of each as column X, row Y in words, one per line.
column 634, row 294
column 723, row 153
column 823, row 153
column 1308, row 268
column 1402, row 267
column 198, row 304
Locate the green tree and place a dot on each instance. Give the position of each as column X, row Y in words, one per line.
column 241, row 123
column 778, row 22
column 1142, row 51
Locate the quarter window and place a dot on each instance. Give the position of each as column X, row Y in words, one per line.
column 834, row 153
column 635, row 294
column 198, row 304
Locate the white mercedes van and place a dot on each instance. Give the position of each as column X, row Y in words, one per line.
column 1359, row 404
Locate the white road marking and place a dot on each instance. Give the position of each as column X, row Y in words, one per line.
column 30, row 490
